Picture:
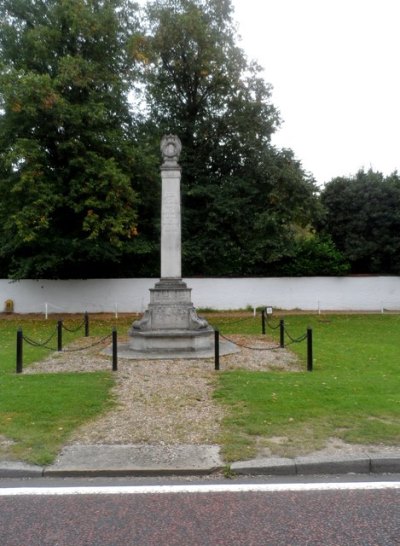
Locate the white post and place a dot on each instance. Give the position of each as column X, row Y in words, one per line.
column 116, row 310
column 46, row 314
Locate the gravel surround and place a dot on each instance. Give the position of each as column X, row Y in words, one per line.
column 162, row 401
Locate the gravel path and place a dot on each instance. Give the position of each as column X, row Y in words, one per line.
column 162, row 401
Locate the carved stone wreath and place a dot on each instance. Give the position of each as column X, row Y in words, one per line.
column 170, row 149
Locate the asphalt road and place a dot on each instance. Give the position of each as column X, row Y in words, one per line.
column 226, row 514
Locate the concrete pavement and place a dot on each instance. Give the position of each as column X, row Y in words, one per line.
column 180, row 460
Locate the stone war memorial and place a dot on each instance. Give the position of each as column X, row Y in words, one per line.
column 170, row 327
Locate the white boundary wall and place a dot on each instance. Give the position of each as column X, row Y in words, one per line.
column 367, row 293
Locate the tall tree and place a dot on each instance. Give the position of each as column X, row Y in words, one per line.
column 243, row 200
column 363, row 218
column 68, row 161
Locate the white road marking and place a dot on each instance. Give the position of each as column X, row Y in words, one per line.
column 212, row 488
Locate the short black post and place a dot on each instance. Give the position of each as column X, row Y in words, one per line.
column 216, row 348
column 114, row 350
column 263, row 321
column 309, row 350
column 20, row 340
column 86, row 324
column 59, row 335
column 282, row 333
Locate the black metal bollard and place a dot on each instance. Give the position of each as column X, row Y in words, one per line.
column 114, row 351
column 309, row 350
column 20, row 340
column 282, row 333
column 263, row 321
column 216, row 348
column 86, row 324
column 59, row 335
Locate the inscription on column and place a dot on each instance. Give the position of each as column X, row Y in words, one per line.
column 170, row 213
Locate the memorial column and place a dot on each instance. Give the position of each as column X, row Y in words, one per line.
column 171, row 258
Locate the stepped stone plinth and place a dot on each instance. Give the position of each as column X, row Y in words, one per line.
column 170, row 322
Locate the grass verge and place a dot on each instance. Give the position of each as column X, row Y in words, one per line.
column 352, row 394
column 38, row 412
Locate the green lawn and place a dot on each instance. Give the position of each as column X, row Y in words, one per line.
column 353, row 392
column 38, row 412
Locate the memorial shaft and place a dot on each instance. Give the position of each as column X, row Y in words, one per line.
column 171, row 259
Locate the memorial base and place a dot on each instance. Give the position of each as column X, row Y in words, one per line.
column 172, row 341
column 170, row 324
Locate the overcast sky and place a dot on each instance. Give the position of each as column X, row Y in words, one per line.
column 334, row 66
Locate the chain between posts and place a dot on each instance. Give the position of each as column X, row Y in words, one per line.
column 309, row 337
column 98, row 342
column 251, row 348
column 37, row 343
column 283, row 330
column 84, row 323
column 58, row 330
column 265, row 322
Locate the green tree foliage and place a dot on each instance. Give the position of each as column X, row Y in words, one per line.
column 312, row 256
column 68, row 163
column 79, row 165
column 243, row 200
column 363, row 219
